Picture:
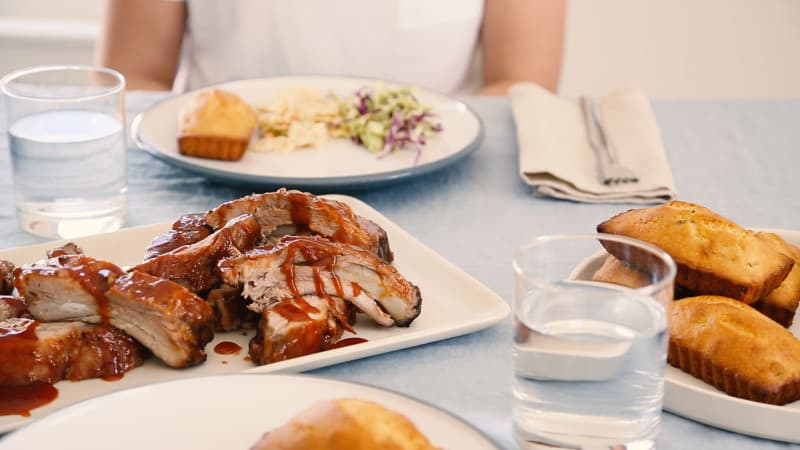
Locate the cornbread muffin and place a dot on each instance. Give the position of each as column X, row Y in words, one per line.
column 734, row 348
column 346, row 423
column 714, row 255
column 216, row 124
column 780, row 304
column 615, row 271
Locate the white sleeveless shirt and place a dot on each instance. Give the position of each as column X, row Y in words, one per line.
column 427, row 43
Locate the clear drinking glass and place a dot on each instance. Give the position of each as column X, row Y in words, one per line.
column 589, row 356
column 66, row 135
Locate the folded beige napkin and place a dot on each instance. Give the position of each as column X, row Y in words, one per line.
column 555, row 155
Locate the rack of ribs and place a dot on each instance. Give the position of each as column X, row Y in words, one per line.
column 308, row 283
column 293, row 212
column 33, row 351
column 163, row 316
column 195, row 266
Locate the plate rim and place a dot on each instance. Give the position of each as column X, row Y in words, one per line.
column 300, row 377
column 313, row 182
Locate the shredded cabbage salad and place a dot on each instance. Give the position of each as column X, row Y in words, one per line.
column 385, row 120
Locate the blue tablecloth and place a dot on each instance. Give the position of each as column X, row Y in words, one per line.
column 737, row 157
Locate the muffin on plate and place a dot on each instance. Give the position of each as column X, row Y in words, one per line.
column 345, row 423
column 216, row 124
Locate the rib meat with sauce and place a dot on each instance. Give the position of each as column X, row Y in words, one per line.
column 12, row 307
column 165, row 317
column 295, row 327
column 187, row 230
column 303, row 266
column 230, row 309
column 195, row 266
column 328, row 218
column 32, row 351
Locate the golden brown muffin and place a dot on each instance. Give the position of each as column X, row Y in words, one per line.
column 216, row 124
column 714, row 255
column 615, row 271
column 781, row 303
column 345, row 423
column 734, row 348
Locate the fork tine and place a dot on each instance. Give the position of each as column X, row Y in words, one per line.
column 611, row 171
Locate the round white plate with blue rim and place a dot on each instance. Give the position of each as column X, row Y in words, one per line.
column 220, row 412
column 337, row 163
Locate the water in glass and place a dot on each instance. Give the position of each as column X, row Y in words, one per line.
column 69, row 172
column 588, row 367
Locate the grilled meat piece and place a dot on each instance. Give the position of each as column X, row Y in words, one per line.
column 32, row 351
column 187, row 230
column 299, row 326
column 70, row 248
column 67, row 287
column 165, row 317
column 329, row 218
column 301, row 266
column 230, row 309
column 11, row 307
column 6, row 277
column 195, row 266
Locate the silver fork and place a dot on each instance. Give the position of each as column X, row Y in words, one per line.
column 609, row 167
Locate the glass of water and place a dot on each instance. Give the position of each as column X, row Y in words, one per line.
column 66, row 135
column 589, row 356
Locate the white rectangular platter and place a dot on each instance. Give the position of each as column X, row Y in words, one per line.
column 453, row 303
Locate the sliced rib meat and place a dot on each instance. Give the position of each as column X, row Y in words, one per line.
column 299, row 326
column 67, row 287
column 32, row 351
column 6, row 277
column 230, row 309
column 187, row 230
column 328, row 218
column 70, row 248
column 11, row 307
column 301, row 266
column 195, row 265
column 165, row 317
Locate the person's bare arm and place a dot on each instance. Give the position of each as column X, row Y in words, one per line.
column 142, row 39
column 522, row 40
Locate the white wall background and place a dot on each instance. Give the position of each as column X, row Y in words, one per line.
column 672, row 48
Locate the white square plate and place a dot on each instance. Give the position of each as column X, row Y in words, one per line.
column 453, row 303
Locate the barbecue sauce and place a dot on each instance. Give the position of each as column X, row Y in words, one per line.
column 300, row 205
column 346, row 342
column 227, row 348
column 18, row 337
column 95, row 276
column 20, row 400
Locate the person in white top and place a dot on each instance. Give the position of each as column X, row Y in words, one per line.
column 428, row 43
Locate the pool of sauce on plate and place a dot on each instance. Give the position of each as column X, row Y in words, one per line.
column 227, row 348
column 20, row 400
column 116, row 377
column 347, row 342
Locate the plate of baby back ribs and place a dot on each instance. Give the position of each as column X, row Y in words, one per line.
column 278, row 281
column 734, row 353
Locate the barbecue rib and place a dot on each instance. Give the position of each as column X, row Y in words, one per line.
column 299, row 326
column 32, row 351
column 165, row 317
column 329, row 218
column 301, row 266
column 230, row 309
column 6, row 277
column 195, row 265
column 187, row 230
column 11, row 307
